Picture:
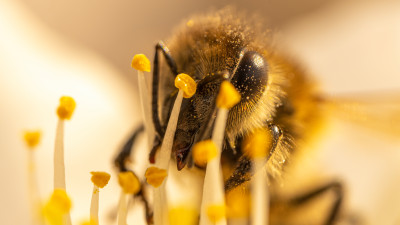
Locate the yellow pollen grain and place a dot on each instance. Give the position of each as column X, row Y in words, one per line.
column 129, row 182
column 257, row 144
column 141, row 62
column 204, row 151
column 228, row 96
column 155, row 176
column 183, row 215
column 216, row 212
column 66, row 107
column 100, row 179
column 185, row 83
column 32, row 138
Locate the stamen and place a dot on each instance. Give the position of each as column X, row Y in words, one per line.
column 89, row 222
column 155, row 176
column 213, row 191
column 64, row 111
column 187, row 88
column 57, row 207
column 100, row 180
column 186, row 83
column 238, row 204
column 216, row 213
column 203, row 152
column 183, row 215
column 141, row 63
column 256, row 146
column 32, row 140
column 130, row 185
column 228, row 96
column 66, row 108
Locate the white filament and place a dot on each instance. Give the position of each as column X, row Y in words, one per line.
column 213, row 191
column 260, row 197
column 59, row 168
column 146, row 109
column 94, row 205
column 162, row 161
column 122, row 209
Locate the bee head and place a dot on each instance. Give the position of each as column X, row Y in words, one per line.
column 198, row 113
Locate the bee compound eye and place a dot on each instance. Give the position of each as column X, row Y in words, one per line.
column 251, row 76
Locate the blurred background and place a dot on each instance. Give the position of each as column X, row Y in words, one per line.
column 84, row 49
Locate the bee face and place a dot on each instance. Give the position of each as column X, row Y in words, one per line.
column 225, row 47
column 249, row 77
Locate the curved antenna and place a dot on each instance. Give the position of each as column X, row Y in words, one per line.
column 160, row 46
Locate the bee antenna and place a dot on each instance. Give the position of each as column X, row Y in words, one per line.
column 237, row 64
column 160, row 46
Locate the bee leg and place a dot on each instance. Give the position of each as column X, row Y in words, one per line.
column 147, row 208
column 242, row 172
column 120, row 162
column 156, row 146
column 160, row 46
column 335, row 187
column 125, row 152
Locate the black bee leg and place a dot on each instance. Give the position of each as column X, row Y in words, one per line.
column 160, row 46
column 125, row 153
column 242, row 172
column 156, row 146
column 240, row 175
column 335, row 187
column 147, row 208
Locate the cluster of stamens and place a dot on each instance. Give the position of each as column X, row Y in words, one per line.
column 206, row 153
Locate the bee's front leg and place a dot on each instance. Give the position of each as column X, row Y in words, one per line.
column 125, row 152
column 242, row 172
column 120, row 162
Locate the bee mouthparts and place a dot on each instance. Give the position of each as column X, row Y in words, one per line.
column 180, row 161
column 181, row 156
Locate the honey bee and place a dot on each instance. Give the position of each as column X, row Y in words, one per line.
column 277, row 94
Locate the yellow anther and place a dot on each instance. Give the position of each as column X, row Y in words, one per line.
column 185, row 83
column 183, row 215
column 237, row 203
column 66, row 107
column 129, row 182
column 204, row 151
column 100, row 179
column 155, row 176
column 52, row 216
column 59, row 202
column 257, row 144
column 228, row 96
column 58, row 205
column 89, row 222
column 141, row 62
column 32, row 138
column 216, row 212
